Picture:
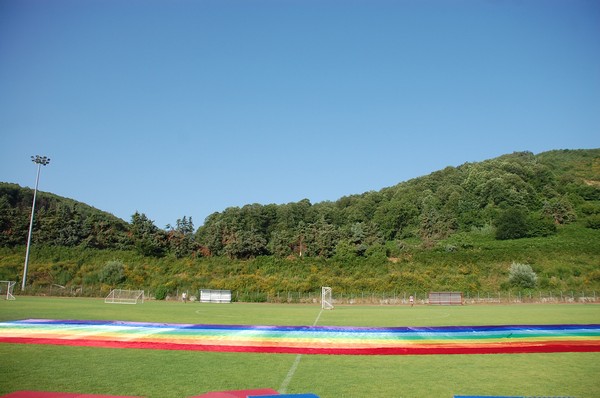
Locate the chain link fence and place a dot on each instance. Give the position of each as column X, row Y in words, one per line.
column 342, row 298
column 400, row 298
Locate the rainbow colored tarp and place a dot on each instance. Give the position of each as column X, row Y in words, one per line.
column 307, row 339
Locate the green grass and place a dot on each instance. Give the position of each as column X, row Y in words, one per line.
column 166, row 374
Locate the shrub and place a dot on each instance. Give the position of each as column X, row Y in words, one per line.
column 161, row 293
column 113, row 273
column 511, row 224
column 593, row 222
column 540, row 226
column 590, row 208
column 522, row 276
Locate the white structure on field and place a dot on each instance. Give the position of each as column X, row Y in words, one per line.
column 326, row 299
column 215, row 296
column 123, row 296
column 6, row 289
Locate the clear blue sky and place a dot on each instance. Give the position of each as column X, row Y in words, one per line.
column 183, row 108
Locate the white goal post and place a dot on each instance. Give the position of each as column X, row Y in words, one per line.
column 326, row 299
column 123, row 296
column 6, row 289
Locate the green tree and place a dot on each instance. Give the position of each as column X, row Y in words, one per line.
column 181, row 238
column 113, row 273
column 147, row 238
column 511, row 224
column 213, row 234
column 245, row 245
column 540, row 225
column 281, row 242
column 560, row 209
column 13, row 223
column 393, row 216
column 522, row 276
column 326, row 238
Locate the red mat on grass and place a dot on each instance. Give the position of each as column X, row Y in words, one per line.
column 46, row 394
column 220, row 394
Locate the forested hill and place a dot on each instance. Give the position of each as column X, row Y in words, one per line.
column 58, row 221
column 517, row 195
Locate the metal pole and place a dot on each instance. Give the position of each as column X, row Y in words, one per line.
column 39, row 160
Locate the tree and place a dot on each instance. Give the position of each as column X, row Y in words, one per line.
column 560, row 209
column 246, row 244
column 540, row 225
column 185, row 226
column 181, row 238
column 212, row 234
column 147, row 238
column 434, row 223
column 326, row 238
column 100, row 232
column 113, row 273
column 522, row 276
column 511, row 224
column 13, row 224
column 281, row 243
column 393, row 216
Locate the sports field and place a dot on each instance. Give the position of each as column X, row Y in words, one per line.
column 180, row 373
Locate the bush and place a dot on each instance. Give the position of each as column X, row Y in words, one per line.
column 113, row 273
column 161, row 293
column 540, row 226
column 511, row 224
column 593, row 222
column 522, row 276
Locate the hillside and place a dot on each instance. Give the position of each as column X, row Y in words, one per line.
column 457, row 228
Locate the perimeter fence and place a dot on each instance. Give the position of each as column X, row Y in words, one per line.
column 343, row 298
column 400, row 298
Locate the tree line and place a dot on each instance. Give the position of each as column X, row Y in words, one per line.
column 64, row 222
column 519, row 195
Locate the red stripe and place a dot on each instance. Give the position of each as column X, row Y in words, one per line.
column 508, row 348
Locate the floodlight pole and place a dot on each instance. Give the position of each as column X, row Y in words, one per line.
column 40, row 161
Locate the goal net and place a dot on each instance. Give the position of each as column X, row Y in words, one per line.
column 6, row 290
column 326, row 299
column 123, row 296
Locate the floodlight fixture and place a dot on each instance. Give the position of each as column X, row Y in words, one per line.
column 40, row 161
column 43, row 160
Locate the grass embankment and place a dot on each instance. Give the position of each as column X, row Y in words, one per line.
column 468, row 262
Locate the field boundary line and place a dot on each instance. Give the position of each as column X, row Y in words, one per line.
column 290, row 373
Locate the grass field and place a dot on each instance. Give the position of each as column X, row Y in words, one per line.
column 166, row 374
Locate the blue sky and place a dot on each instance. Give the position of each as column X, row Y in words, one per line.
column 183, row 108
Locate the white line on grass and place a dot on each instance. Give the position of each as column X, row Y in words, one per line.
column 290, row 373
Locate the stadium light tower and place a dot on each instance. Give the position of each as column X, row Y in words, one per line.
column 40, row 161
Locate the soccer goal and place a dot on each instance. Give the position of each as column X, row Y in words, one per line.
column 6, row 290
column 123, row 296
column 326, row 299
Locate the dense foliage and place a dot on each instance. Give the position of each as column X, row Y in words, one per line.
column 403, row 235
column 521, row 194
